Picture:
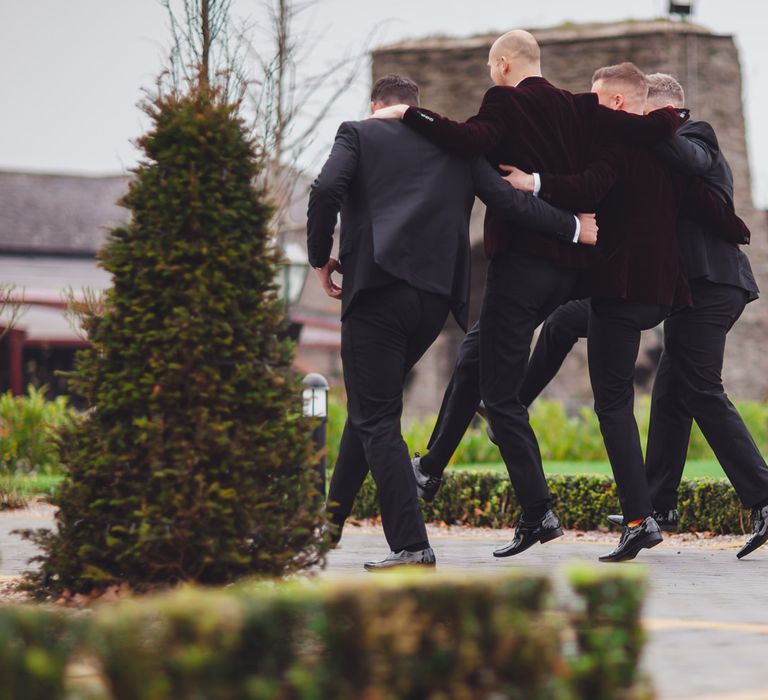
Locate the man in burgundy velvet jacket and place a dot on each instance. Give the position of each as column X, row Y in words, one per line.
column 688, row 384
column 636, row 282
column 526, row 120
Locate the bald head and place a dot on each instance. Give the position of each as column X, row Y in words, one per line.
column 514, row 56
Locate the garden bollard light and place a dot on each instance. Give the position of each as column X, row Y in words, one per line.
column 315, row 396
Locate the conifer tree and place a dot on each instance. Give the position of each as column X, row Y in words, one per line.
column 192, row 463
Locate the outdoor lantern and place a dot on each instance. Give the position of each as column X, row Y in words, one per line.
column 293, row 273
column 684, row 8
column 315, row 396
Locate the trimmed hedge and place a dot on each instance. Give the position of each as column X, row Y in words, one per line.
column 407, row 636
column 485, row 499
column 609, row 635
column 36, row 646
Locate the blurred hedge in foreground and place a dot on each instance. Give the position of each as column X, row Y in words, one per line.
column 581, row 501
column 562, row 435
column 391, row 637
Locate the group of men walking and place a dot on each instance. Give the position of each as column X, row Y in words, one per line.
column 404, row 182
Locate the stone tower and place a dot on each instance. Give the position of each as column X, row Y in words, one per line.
column 453, row 77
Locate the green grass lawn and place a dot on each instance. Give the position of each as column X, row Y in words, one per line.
column 694, row 467
column 16, row 489
column 13, row 488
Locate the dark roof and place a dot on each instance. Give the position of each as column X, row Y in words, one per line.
column 42, row 213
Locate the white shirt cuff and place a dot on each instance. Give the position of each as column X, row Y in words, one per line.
column 578, row 230
column 536, row 184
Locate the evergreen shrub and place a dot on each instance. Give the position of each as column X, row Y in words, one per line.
column 609, row 634
column 192, row 463
column 415, row 635
column 581, row 501
column 36, row 646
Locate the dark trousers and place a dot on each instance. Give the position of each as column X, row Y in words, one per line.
column 383, row 335
column 689, row 387
column 460, row 402
column 520, row 292
column 612, row 346
column 564, row 326
column 557, row 337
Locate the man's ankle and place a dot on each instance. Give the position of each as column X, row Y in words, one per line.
column 417, row 547
column 428, row 466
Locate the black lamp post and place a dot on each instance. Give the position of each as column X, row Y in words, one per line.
column 291, row 278
column 315, row 395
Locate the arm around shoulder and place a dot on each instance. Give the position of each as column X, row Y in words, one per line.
column 473, row 137
column 520, row 207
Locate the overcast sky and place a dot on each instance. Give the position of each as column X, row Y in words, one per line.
column 72, row 71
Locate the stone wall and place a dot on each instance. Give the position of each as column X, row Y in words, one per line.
column 453, row 77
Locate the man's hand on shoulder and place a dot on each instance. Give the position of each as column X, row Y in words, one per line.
column 391, row 112
column 588, row 229
column 326, row 281
column 519, row 179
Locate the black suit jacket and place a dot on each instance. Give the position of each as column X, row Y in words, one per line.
column 695, row 150
column 405, row 206
column 637, row 198
column 539, row 128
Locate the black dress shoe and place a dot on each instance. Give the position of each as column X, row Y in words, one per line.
column 528, row 534
column 427, row 485
column 424, row 557
column 759, row 534
column 666, row 520
column 643, row 536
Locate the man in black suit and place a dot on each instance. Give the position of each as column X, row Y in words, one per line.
column 404, row 252
column 688, row 383
column 639, row 280
column 524, row 119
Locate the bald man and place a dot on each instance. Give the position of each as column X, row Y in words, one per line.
column 525, row 120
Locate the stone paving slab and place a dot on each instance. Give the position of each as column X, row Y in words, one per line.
column 706, row 613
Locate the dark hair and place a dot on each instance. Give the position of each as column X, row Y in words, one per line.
column 395, row 89
column 626, row 73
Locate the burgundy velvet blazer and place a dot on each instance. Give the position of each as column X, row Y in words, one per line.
column 539, row 128
column 637, row 199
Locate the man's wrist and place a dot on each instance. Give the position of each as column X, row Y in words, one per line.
column 536, row 184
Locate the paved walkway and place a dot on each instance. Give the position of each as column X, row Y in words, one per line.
column 706, row 614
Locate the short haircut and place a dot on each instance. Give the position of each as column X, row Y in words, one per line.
column 664, row 89
column 395, row 89
column 628, row 75
column 519, row 46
